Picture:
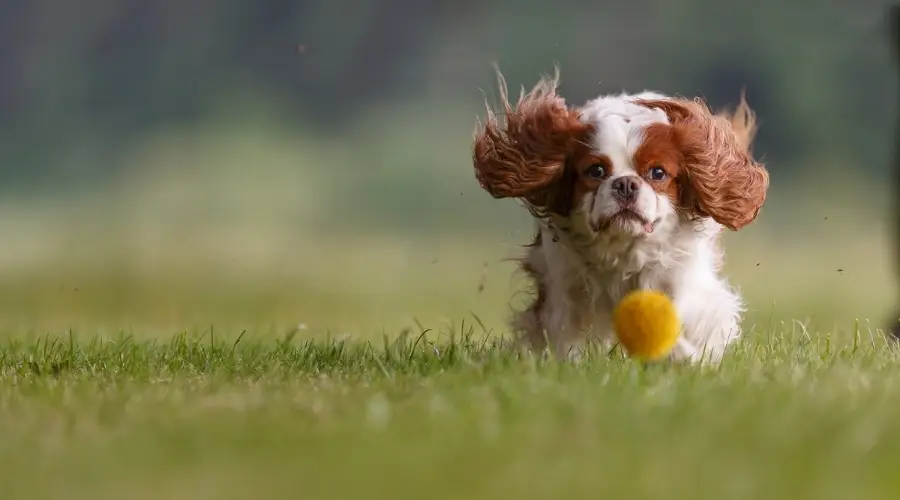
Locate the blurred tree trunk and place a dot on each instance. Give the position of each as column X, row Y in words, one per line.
column 894, row 21
column 11, row 86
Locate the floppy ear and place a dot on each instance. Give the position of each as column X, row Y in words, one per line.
column 743, row 123
column 723, row 180
column 526, row 156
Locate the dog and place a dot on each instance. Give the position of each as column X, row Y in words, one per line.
column 628, row 191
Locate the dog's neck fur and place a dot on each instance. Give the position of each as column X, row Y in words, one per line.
column 613, row 255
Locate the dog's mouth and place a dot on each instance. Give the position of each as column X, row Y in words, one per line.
column 623, row 216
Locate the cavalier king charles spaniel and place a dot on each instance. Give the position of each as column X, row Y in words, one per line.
column 629, row 191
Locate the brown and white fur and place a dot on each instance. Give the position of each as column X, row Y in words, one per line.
column 628, row 192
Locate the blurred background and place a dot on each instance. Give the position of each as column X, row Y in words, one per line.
column 305, row 164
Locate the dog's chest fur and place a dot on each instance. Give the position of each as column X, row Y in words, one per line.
column 590, row 274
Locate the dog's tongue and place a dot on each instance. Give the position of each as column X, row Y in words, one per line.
column 648, row 227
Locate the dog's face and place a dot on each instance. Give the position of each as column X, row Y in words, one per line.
column 623, row 163
column 628, row 173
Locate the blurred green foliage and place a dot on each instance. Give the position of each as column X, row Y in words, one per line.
column 82, row 81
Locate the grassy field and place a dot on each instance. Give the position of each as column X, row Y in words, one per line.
column 788, row 415
column 318, row 384
column 202, row 332
column 295, row 380
column 302, row 372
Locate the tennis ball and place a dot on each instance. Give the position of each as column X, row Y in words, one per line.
column 647, row 324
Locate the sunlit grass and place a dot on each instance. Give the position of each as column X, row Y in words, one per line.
column 785, row 416
column 345, row 287
column 249, row 313
column 365, row 282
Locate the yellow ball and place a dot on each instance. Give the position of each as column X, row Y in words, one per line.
column 647, row 324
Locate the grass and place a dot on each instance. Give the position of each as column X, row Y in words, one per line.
column 787, row 415
column 314, row 384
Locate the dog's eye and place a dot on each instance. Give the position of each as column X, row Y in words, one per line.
column 596, row 171
column 657, row 173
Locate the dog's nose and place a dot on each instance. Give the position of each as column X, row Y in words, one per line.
column 626, row 188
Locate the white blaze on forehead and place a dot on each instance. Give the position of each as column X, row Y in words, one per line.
column 620, row 126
